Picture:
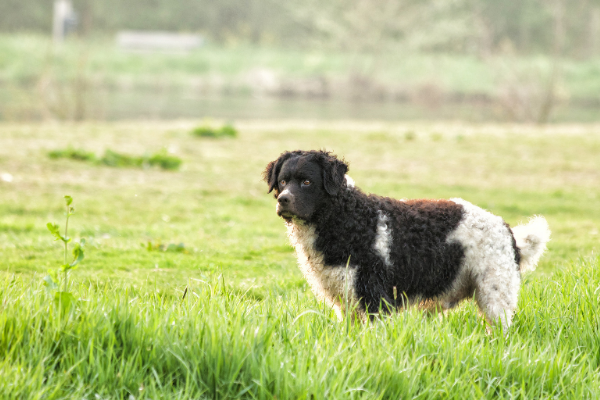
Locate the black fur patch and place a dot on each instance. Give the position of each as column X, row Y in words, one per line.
column 514, row 245
column 423, row 264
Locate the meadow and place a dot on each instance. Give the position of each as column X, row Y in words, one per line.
column 224, row 311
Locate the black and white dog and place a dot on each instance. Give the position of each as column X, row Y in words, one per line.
column 427, row 252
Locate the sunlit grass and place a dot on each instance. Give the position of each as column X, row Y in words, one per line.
column 206, row 339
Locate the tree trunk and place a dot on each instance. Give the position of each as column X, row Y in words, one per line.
column 594, row 32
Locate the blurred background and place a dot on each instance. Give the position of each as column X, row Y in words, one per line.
column 474, row 60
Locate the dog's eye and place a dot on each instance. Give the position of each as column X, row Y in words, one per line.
column 306, row 182
column 282, row 182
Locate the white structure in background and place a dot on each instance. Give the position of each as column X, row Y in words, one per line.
column 158, row 41
column 6, row 177
column 64, row 19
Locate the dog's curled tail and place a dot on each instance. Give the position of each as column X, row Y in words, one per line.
column 531, row 240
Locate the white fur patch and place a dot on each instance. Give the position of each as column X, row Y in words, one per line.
column 531, row 239
column 328, row 283
column 383, row 240
column 489, row 265
column 349, row 181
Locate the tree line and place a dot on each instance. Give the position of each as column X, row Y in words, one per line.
column 465, row 26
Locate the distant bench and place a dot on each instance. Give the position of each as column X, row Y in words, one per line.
column 161, row 41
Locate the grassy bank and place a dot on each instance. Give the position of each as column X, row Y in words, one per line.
column 94, row 79
column 25, row 59
column 248, row 325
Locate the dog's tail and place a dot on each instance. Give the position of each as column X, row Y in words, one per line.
column 531, row 240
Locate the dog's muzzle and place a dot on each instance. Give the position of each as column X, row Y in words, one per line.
column 285, row 202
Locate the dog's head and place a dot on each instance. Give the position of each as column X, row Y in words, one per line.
column 303, row 181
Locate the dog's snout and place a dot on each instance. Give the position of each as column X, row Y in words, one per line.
column 284, row 199
column 286, row 204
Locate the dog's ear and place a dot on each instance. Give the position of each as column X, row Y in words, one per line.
column 272, row 171
column 334, row 171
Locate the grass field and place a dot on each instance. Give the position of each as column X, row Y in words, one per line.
column 248, row 326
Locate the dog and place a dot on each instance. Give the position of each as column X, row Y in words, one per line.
column 379, row 254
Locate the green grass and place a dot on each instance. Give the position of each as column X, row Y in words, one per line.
column 208, row 131
column 73, row 154
column 249, row 326
column 112, row 158
column 219, row 343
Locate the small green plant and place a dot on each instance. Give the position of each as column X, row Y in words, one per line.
column 229, row 130
column 170, row 248
column 409, row 136
column 436, row 136
column 207, row 130
column 119, row 160
column 164, row 160
column 114, row 159
column 53, row 281
column 160, row 159
column 73, row 154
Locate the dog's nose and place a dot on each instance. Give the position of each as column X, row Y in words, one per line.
column 284, row 199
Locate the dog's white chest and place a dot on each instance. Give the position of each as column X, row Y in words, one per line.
column 329, row 283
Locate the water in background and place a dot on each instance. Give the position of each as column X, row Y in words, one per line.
column 173, row 104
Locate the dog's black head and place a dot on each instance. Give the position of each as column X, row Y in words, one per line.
column 303, row 181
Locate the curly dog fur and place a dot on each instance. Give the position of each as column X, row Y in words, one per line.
column 379, row 253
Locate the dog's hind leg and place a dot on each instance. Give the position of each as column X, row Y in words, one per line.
column 433, row 307
column 497, row 293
